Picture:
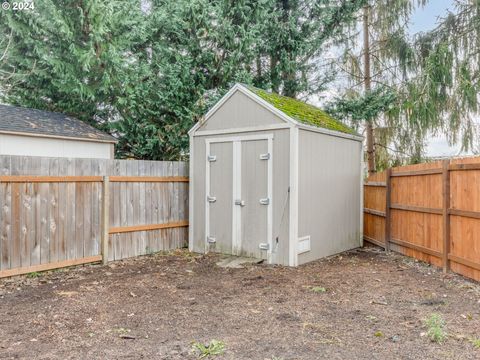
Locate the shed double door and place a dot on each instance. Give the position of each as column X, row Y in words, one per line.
column 239, row 197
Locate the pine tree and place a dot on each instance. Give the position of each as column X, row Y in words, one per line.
column 75, row 53
column 147, row 70
column 377, row 73
column 445, row 91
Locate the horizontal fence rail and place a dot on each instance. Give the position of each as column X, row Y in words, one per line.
column 63, row 212
column 428, row 211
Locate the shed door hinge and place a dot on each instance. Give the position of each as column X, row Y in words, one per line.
column 265, row 156
column 211, row 240
column 211, row 199
column 212, row 158
column 264, row 246
column 265, row 201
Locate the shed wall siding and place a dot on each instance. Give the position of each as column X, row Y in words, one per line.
column 280, row 201
column 240, row 111
column 329, row 194
column 52, row 147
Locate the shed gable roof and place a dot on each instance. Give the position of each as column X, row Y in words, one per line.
column 290, row 110
column 14, row 119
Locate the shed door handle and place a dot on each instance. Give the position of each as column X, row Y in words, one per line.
column 240, row 202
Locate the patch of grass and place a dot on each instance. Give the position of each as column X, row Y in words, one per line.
column 378, row 334
column 475, row 343
column 215, row 347
column 33, row 275
column 436, row 328
column 318, row 289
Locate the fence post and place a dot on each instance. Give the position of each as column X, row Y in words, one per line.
column 388, row 217
column 446, row 215
column 105, row 217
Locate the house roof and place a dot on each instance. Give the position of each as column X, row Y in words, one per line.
column 302, row 112
column 20, row 120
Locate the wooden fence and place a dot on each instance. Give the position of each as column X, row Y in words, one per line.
column 54, row 211
column 428, row 211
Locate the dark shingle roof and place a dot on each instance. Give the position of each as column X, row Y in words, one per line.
column 32, row 121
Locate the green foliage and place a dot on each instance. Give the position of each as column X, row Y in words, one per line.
column 33, row 275
column 215, row 347
column 475, row 343
column 436, row 328
column 318, row 289
column 444, row 91
column 302, row 112
column 398, row 137
column 147, row 75
column 358, row 107
column 378, row 334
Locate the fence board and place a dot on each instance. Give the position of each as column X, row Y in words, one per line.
column 434, row 216
column 51, row 208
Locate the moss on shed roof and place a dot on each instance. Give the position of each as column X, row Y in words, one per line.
column 302, row 112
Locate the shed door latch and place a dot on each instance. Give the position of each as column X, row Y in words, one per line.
column 265, row 156
column 240, row 202
column 211, row 199
column 264, row 246
column 212, row 158
column 265, row 201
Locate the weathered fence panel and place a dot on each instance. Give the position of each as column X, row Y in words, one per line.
column 54, row 214
column 433, row 213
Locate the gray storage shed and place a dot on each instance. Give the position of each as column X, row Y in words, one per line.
column 275, row 178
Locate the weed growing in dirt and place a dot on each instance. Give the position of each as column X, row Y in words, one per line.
column 436, row 328
column 149, row 251
column 378, row 334
column 215, row 347
column 318, row 289
column 475, row 343
column 33, row 275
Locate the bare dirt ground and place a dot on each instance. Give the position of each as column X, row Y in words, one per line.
column 359, row 305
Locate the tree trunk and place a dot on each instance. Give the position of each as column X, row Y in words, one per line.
column 274, row 79
column 367, row 80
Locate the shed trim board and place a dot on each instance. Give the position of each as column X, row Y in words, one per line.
column 330, row 132
column 293, row 213
column 362, row 169
column 242, row 130
column 237, row 189
column 190, row 196
column 237, row 168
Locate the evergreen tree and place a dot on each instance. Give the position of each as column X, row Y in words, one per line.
column 377, row 73
column 76, row 54
column 147, row 70
column 445, row 91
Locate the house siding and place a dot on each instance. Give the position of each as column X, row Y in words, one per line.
column 11, row 144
